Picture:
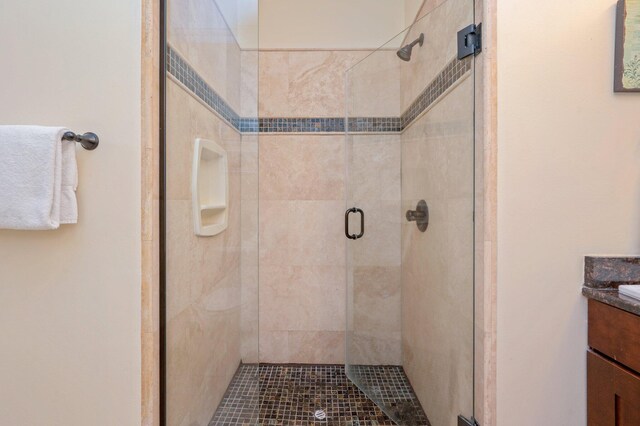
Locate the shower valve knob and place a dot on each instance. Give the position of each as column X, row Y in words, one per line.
column 420, row 215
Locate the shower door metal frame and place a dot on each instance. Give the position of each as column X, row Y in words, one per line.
column 162, row 101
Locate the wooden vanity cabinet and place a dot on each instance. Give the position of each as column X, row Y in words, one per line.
column 613, row 364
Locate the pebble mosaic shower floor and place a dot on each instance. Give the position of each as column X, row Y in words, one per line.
column 293, row 394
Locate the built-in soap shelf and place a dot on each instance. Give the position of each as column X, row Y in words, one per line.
column 209, row 188
column 218, row 207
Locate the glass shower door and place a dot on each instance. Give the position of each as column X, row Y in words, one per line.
column 209, row 285
column 410, row 168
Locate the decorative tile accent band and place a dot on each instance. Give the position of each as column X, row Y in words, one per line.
column 186, row 75
column 248, row 125
column 331, row 124
column 375, row 124
column 295, row 125
column 450, row 74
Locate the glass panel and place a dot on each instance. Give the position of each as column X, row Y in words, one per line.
column 211, row 287
column 410, row 293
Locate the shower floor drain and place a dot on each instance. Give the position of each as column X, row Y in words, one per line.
column 320, row 415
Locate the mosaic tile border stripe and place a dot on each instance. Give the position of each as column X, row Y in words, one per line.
column 450, row 74
column 185, row 74
column 375, row 124
column 295, row 125
column 331, row 124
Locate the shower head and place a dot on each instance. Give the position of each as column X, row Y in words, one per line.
column 405, row 52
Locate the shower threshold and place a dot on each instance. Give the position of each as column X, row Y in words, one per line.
column 295, row 395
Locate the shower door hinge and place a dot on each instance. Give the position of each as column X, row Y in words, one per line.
column 463, row 421
column 470, row 41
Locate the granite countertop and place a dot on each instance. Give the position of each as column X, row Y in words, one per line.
column 612, row 297
column 603, row 275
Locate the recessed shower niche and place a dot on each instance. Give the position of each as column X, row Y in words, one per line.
column 209, row 188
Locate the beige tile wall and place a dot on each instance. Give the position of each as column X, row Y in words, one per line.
column 302, row 202
column 304, row 83
column 211, row 300
column 437, row 271
column 249, row 210
column 302, row 258
column 198, row 31
column 485, row 344
column 441, row 20
column 486, row 232
column 249, row 248
column 437, row 266
column 374, row 320
column 150, row 268
column 203, row 274
column 373, row 85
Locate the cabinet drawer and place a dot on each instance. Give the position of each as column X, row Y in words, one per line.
column 613, row 393
column 615, row 333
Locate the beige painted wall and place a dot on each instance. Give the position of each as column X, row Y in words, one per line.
column 307, row 24
column 242, row 18
column 330, row 24
column 568, row 185
column 70, row 298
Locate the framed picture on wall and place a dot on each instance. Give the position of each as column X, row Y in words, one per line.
column 627, row 66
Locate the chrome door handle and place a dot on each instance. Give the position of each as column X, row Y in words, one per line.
column 346, row 223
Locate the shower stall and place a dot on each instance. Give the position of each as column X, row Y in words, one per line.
column 317, row 267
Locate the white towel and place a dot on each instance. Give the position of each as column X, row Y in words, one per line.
column 38, row 178
column 69, row 183
column 630, row 290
